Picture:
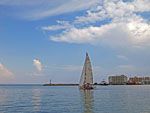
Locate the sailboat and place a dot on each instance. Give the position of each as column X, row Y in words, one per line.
column 86, row 80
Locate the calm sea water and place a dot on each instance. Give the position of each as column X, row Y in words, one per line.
column 46, row 99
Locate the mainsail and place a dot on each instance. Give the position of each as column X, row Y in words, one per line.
column 86, row 80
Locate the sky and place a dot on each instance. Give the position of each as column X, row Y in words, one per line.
column 47, row 39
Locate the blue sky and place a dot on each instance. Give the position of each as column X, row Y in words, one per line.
column 45, row 39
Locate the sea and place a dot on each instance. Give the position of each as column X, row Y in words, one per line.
column 69, row 99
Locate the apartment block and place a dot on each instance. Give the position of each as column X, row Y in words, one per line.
column 118, row 80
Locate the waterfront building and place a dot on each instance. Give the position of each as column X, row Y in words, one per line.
column 146, row 81
column 118, row 80
column 139, row 80
column 135, row 80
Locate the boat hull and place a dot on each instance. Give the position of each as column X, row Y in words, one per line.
column 86, row 87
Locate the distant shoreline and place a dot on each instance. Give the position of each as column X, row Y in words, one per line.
column 21, row 84
column 94, row 85
column 60, row 84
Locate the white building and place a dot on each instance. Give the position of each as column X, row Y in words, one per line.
column 118, row 80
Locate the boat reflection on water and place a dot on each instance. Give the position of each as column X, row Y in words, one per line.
column 36, row 100
column 87, row 100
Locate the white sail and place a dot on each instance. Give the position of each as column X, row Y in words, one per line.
column 87, row 75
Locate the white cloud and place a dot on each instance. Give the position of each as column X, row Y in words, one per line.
column 126, row 28
column 141, row 5
column 37, row 63
column 68, row 6
column 54, row 27
column 116, row 10
column 85, row 35
column 122, row 57
column 5, row 72
column 61, row 25
column 44, row 8
column 139, row 30
column 109, row 9
column 113, row 34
